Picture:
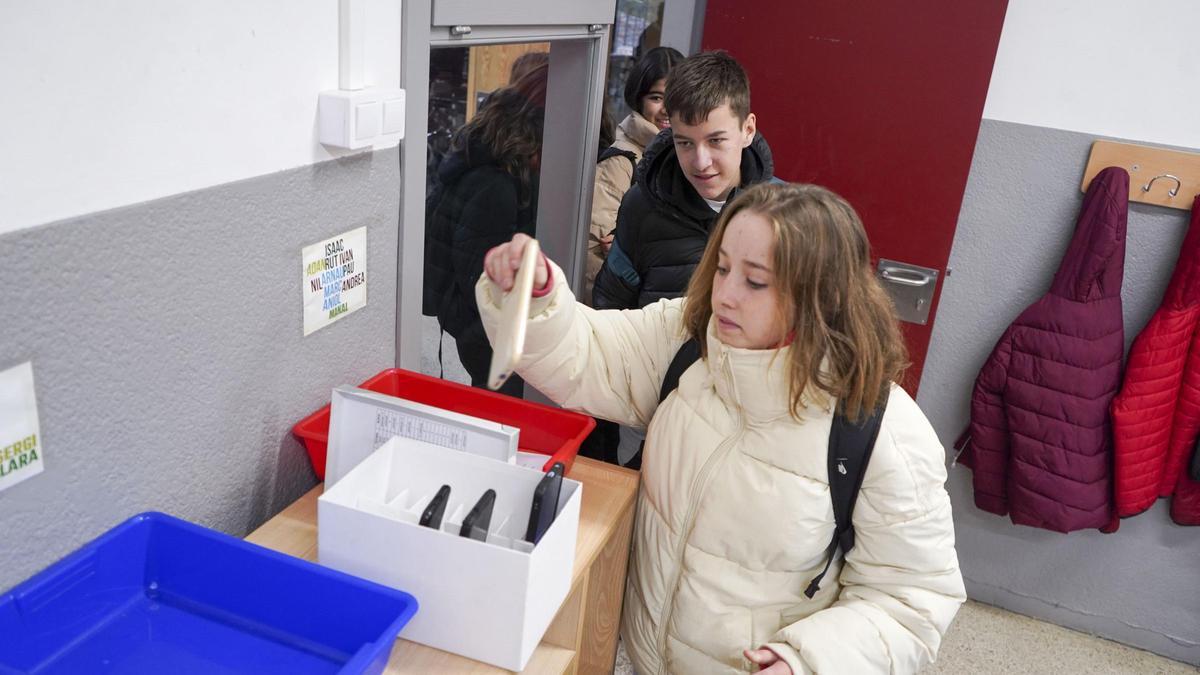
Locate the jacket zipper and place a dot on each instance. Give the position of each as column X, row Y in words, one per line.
column 689, row 522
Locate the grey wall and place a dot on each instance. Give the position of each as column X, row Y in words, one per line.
column 167, row 349
column 1141, row 585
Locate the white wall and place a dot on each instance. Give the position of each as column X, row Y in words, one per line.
column 109, row 103
column 1107, row 67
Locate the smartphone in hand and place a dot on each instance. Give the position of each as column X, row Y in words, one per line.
column 477, row 522
column 509, row 340
column 545, row 503
column 432, row 515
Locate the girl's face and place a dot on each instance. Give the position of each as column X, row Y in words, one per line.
column 653, row 106
column 745, row 295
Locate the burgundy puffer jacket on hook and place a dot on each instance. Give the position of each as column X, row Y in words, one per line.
column 1156, row 417
column 1039, row 441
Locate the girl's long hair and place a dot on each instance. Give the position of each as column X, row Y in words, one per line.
column 846, row 342
column 654, row 65
column 510, row 125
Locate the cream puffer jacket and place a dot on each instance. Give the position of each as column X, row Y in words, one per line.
column 734, row 511
column 614, row 176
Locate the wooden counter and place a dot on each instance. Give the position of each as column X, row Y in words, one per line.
column 583, row 636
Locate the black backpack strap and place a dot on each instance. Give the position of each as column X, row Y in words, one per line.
column 689, row 353
column 613, row 151
column 850, row 447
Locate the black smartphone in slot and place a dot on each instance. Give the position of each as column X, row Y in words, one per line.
column 432, row 515
column 477, row 522
column 545, row 503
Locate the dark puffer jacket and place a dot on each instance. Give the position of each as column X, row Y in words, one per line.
column 1156, row 417
column 476, row 206
column 663, row 226
column 1040, row 441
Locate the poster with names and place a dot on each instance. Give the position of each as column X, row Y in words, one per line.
column 20, row 438
column 334, row 278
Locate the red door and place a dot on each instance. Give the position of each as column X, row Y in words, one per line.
column 879, row 101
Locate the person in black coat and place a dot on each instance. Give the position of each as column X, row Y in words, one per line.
column 486, row 193
column 686, row 176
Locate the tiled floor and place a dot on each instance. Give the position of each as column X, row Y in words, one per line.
column 983, row 641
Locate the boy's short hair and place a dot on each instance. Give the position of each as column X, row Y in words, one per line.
column 704, row 82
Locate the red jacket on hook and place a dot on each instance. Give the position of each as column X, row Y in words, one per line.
column 1039, row 443
column 1156, row 416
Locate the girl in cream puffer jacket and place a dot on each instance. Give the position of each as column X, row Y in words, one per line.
column 734, row 511
column 645, row 89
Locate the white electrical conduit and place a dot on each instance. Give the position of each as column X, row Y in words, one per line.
column 352, row 26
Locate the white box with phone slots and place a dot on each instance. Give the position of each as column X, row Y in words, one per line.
column 491, row 600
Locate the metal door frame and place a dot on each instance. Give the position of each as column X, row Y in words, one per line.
column 578, row 54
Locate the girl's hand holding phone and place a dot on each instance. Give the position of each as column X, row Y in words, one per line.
column 502, row 262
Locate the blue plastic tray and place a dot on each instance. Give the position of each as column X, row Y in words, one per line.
column 156, row 594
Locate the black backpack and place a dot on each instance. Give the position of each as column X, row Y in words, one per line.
column 436, row 277
column 850, row 446
column 613, row 151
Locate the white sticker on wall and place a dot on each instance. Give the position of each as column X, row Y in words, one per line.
column 334, row 278
column 20, row 437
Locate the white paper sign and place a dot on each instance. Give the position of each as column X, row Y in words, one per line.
column 334, row 276
column 20, row 437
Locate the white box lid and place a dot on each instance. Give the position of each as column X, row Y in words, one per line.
column 361, row 421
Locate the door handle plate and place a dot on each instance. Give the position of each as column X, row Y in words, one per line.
column 911, row 287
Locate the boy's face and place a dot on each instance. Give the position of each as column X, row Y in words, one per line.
column 745, row 293
column 710, row 153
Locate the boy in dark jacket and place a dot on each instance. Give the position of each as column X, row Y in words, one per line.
column 688, row 172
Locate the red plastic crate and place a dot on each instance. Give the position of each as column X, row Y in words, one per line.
column 545, row 430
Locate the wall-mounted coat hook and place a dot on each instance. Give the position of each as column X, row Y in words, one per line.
column 1145, row 165
column 1170, row 193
